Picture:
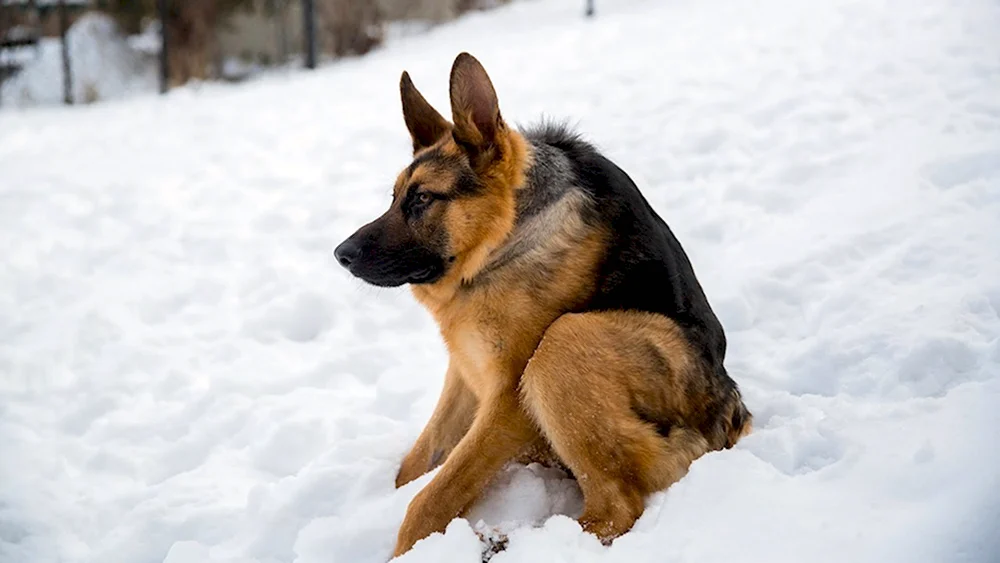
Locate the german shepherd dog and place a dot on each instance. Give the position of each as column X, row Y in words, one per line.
column 576, row 328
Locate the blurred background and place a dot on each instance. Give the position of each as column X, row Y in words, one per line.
column 83, row 51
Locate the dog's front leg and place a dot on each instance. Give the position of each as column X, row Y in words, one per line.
column 451, row 419
column 500, row 430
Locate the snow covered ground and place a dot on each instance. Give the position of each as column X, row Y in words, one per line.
column 186, row 376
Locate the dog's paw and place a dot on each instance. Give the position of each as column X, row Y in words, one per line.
column 493, row 542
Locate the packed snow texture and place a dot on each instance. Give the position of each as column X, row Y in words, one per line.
column 186, row 375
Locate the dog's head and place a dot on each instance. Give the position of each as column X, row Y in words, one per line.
column 455, row 201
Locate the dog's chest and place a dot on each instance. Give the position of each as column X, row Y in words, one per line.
column 478, row 356
column 492, row 342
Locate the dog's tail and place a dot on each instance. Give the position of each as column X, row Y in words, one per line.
column 740, row 419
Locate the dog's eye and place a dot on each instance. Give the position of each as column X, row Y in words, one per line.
column 423, row 198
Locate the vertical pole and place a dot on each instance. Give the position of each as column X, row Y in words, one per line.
column 35, row 21
column 590, row 8
column 67, row 72
column 309, row 17
column 3, row 34
column 161, row 9
column 280, row 13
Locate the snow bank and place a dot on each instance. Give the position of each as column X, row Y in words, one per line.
column 187, row 376
column 102, row 63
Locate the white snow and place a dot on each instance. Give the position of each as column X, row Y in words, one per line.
column 186, row 375
column 104, row 65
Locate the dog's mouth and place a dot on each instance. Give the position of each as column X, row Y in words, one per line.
column 425, row 275
column 429, row 274
column 366, row 257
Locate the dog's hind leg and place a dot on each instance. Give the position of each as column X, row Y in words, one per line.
column 586, row 385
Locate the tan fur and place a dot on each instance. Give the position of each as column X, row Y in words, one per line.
column 491, row 332
column 614, row 363
column 618, row 397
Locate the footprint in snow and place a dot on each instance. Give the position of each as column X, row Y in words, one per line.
column 300, row 318
column 962, row 169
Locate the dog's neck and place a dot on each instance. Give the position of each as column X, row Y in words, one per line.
column 547, row 208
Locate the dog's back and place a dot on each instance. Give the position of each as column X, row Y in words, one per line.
column 644, row 267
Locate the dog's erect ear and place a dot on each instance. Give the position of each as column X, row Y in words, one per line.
column 474, row 108
column 424, row 122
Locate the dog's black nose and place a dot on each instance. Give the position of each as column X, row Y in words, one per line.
column 347, row 252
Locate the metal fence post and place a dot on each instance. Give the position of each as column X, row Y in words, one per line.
column 590, row 8
column 162, row 12
column 3, row 35
column 67, row 71
column 309, row 17
column 280, row 14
